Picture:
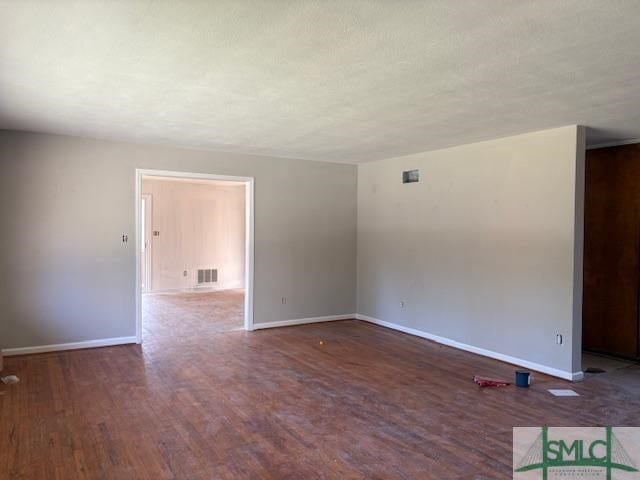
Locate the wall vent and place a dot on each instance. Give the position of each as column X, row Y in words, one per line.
column 410, row 176
column 207, row 275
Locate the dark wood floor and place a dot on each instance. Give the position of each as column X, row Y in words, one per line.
column 369, row 403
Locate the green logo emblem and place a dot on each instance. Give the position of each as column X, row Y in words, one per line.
column 583, row 454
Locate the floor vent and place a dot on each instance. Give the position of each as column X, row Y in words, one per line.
column 207, row 275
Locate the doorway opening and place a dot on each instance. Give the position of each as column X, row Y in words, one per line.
column 611, row 286
column 194, row 253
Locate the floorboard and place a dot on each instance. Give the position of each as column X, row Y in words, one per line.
column 367, row 403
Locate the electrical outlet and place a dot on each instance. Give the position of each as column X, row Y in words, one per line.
column 185, row 273
column 401, row 305
column 558, row 338
column 284, row 300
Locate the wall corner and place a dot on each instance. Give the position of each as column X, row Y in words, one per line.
column 578, row 249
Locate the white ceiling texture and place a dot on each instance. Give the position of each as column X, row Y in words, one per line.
column 324, row 80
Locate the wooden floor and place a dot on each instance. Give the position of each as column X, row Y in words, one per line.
column 166, row 316
column 369, row 403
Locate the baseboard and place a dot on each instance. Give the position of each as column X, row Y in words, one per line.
column 573, row 376
column 303, row 321
column 105, row 342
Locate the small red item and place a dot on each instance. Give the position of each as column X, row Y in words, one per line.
column 490, row 382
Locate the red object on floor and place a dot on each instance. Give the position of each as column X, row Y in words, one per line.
column 490, row 382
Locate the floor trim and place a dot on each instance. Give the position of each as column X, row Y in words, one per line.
column 107, row 342
column 572, row 376
column 302, row 321
column 104, row 342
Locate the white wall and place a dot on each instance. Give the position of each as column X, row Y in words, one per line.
column 200, row 225
column 485, row 250
column 65, row 203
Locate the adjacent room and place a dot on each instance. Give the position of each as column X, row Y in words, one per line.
column 192, row 256
column 319, row 240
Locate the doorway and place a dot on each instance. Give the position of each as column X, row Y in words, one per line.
column 161, row 268
column 146, row 214
column 611, row 288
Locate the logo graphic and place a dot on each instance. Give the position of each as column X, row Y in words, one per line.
column 574, row 453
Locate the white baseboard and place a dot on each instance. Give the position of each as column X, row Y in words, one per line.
column 573, row 376
column 105, row 342
column 303, row 321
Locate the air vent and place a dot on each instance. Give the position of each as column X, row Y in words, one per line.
column 207, row 275
column 411, row 176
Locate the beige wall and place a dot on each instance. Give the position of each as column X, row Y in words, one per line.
column 485, row 250
column 65, row 203
column 200, row 225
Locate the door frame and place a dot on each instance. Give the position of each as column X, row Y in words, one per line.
column 249, row 237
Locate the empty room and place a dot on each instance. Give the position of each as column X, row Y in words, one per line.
column 192, row 244
column 319, row 240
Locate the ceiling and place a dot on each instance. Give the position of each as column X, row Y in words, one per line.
column 324, row 80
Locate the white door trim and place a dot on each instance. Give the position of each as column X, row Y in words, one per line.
column 249, row 237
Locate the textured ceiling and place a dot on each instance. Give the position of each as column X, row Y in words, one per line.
column 324, row 80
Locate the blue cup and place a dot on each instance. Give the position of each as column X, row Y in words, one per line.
column 523, row 378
